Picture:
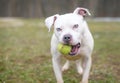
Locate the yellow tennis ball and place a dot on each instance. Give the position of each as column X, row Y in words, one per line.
column 64, row 49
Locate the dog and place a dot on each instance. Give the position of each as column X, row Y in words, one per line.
column 71, row 29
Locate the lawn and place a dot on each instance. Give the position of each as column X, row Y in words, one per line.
column 25, row 53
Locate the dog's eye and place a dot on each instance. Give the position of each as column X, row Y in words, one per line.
column 58, row 29
column 75, row 26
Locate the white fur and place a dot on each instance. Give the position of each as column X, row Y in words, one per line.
column 80, row 34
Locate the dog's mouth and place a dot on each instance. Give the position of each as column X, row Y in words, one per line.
column 74, row 49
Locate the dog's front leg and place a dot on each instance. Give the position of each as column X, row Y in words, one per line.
column 86, row 65
column 57, row 69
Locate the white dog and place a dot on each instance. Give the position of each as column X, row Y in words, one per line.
column 71, row 29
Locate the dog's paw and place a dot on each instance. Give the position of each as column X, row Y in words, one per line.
column 60, row 81
column 80, row 71
column 65, row 68
column 83, row 82
column 86, row 81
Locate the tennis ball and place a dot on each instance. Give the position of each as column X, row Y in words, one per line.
column 64, row 49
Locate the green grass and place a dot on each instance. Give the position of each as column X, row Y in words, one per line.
column 25, row 53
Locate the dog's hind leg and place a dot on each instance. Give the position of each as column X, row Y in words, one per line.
column 79, row 67
column 66, row 66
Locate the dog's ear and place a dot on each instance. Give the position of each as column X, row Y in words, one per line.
column 50, row 21
column 82, row 11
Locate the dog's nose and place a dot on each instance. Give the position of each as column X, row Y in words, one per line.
column 67, row 38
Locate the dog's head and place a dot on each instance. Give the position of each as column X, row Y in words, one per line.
column 68, row 28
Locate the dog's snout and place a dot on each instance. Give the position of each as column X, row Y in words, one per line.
column 67, row 38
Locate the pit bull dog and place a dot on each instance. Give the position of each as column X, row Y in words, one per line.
column 71, row 29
